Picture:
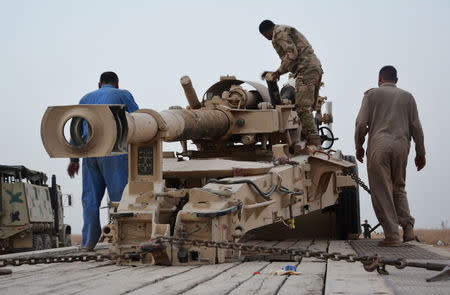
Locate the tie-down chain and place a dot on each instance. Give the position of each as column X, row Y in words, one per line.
column 370, row 263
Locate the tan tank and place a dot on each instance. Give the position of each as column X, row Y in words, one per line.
column 250, row 170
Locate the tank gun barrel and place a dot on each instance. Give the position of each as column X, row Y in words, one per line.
column 108, row 128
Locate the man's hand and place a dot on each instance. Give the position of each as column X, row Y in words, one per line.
column 420, row 162
column 275, row 76
column 73, row 168
column 360, row 154
column 263, row 75
column 270, row 76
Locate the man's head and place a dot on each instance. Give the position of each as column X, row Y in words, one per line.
column 365, row 221
column 109, row 78
column 388, row 74
column 266, row 29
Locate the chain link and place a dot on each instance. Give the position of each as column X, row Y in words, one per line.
column 358, row 180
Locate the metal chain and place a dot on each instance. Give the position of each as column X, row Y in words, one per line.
column 335, row 256
column 370, row 263
column 187, row 242
column 67, row 258
column 357, row 180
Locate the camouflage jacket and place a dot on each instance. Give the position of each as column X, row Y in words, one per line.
column 294, row 50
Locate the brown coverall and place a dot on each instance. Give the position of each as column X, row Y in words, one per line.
column 389, row 114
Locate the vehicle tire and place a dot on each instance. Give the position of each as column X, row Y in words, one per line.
column 46, row 241
column 37, row 242
column 347, row 211
column 67, row 241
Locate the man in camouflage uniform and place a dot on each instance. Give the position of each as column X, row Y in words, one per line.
column 297, row 57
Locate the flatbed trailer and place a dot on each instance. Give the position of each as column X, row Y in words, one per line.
column 251, row 276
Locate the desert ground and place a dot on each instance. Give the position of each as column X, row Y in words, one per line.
column 433, row 236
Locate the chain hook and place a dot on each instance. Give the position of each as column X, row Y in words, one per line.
column 381, row 269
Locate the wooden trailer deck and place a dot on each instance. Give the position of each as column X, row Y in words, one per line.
column 317, row 276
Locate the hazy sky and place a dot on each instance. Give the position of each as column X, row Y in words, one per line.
column 52, row 53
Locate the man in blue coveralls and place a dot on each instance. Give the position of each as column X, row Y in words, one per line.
column 102, row 172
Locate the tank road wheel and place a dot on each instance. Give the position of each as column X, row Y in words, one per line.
column 347, row 211
column 46, row 241
column 67, row 241
column 37, row 242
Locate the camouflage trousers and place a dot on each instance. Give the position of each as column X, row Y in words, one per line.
column 307, row 86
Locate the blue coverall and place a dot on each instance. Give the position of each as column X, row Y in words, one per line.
column 103, row 172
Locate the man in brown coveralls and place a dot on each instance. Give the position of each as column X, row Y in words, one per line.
column 389, row 114
column 297, row 57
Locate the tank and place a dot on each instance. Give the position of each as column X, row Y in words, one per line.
column 247, row 174
column 31, row 212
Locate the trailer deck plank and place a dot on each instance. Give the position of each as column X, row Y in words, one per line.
column 312, row 273
column 164, row 281
column 125, row 280
column 351, row 278
column 317, row 276
column 56, row 271
column 310, row 281
column 283, row 244
column 317, row 245
column 233, row 278
column 266, row 282
column 55, row 282
column 229, row 279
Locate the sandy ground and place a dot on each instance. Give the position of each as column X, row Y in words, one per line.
column 76, row 239
column 427, row 236
column 433, row 236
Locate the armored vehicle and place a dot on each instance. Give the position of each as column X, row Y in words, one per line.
column 249, row 172
column 31, row 212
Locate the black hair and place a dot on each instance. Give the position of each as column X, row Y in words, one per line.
column 109, row 78
column 388, row 73
column 265, row 26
